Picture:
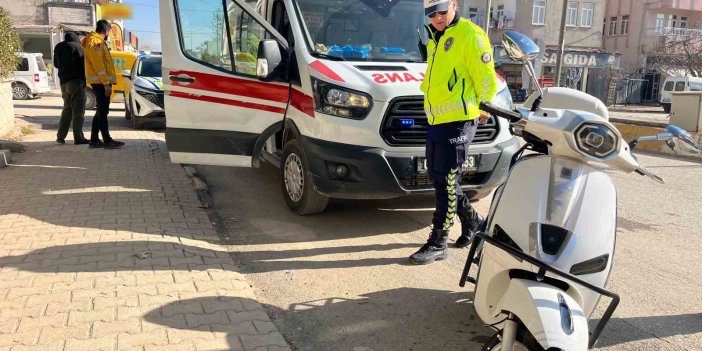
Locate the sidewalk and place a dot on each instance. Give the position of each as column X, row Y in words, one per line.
column 109, row 250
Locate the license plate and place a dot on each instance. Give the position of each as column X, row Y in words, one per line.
column 470, row 165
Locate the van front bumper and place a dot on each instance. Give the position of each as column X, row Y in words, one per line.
column 375, row 173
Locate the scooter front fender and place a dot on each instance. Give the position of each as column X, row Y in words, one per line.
column 549, row 313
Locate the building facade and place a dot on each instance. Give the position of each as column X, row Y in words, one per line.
column 586, row 65
column 641, row 30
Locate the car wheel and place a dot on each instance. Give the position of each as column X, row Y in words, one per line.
column 90, row 101
column 666, row 108
column 20, row 91
column 296, row 182
column 127, row 109
column 136, row 123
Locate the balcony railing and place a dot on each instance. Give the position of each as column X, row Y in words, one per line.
column 672, row 31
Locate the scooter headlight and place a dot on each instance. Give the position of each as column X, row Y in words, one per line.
column 596, row 140
column 340, row 102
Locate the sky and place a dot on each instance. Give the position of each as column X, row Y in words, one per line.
column 145, row 23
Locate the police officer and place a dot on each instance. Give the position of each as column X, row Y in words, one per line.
column 460, row 74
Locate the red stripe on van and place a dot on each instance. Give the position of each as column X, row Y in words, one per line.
column 217, row 100
column 320, row 67
column 302, row 102
column 234, row 86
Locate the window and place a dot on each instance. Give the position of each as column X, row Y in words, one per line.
column 23, row 65
column 586, row 14
column 695, row 86
column 679, row 86
column 668, row 86
column 472, row 12
column 672, row 21
column 203, row 34
column 149, row 67
column 660, row 23
column 683, row 21
column 246, row 33
column 613, row 26
column 228, row 41
column 625, row 25
column 500, row 11
column 538, row 14
column 572, row 14
column 40, row 64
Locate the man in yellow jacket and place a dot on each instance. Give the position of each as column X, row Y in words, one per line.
column 460, row 74
column 100, row 74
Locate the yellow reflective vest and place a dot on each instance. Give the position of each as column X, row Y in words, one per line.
column 99, row 68
column 460, row 73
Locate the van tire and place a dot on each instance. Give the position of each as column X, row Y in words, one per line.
column 666, row 108
column 20, row 91
column 90, row 101
column 295, row 169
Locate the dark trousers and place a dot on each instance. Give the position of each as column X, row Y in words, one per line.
column 100, row 119
column 73, row 94
column 447, row 148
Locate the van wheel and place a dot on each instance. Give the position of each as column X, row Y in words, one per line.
column 666, row 108
column 90, row 101
column 20, row 91
column 296, row 182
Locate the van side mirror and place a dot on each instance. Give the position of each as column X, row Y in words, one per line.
column 270, row 58
column 127, row 74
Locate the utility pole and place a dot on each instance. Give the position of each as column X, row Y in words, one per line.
column 561, row 44
column 487, row 16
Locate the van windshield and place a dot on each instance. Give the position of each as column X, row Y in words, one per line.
column 364, row 30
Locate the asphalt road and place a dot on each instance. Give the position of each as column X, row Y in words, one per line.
column 340, row 280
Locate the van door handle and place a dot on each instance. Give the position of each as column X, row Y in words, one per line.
column 180, row 79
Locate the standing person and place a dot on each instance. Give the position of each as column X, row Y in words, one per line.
column 100, row 74
column 68, row 58
column 460, row 74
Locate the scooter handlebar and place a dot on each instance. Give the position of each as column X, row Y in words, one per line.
column 512, row 116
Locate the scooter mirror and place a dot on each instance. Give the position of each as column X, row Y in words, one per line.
column 683, row 138
column 519, row 47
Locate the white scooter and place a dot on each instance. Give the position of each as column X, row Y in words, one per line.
column 547, row 252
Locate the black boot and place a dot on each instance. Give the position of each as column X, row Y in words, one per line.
column 471, row 224
column 433, row 250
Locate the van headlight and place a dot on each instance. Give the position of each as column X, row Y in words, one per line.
column 596, row 140
column 340, row 102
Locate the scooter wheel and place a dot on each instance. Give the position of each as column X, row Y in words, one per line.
column 495, row 343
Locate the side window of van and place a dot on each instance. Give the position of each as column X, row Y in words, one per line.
column 679, row 86
column 203, row 32
column 695, row 86
column 23, row 65
column 245, row 33
column 668, row 86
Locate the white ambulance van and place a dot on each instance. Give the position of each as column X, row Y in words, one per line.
column 327, row 91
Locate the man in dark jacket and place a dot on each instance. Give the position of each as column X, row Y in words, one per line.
column 68, row 58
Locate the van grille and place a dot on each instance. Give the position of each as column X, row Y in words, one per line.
column 422, row 182
column 412, row 108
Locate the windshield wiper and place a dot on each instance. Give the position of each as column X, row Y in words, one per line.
column 333, row 58
column 415, row 61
